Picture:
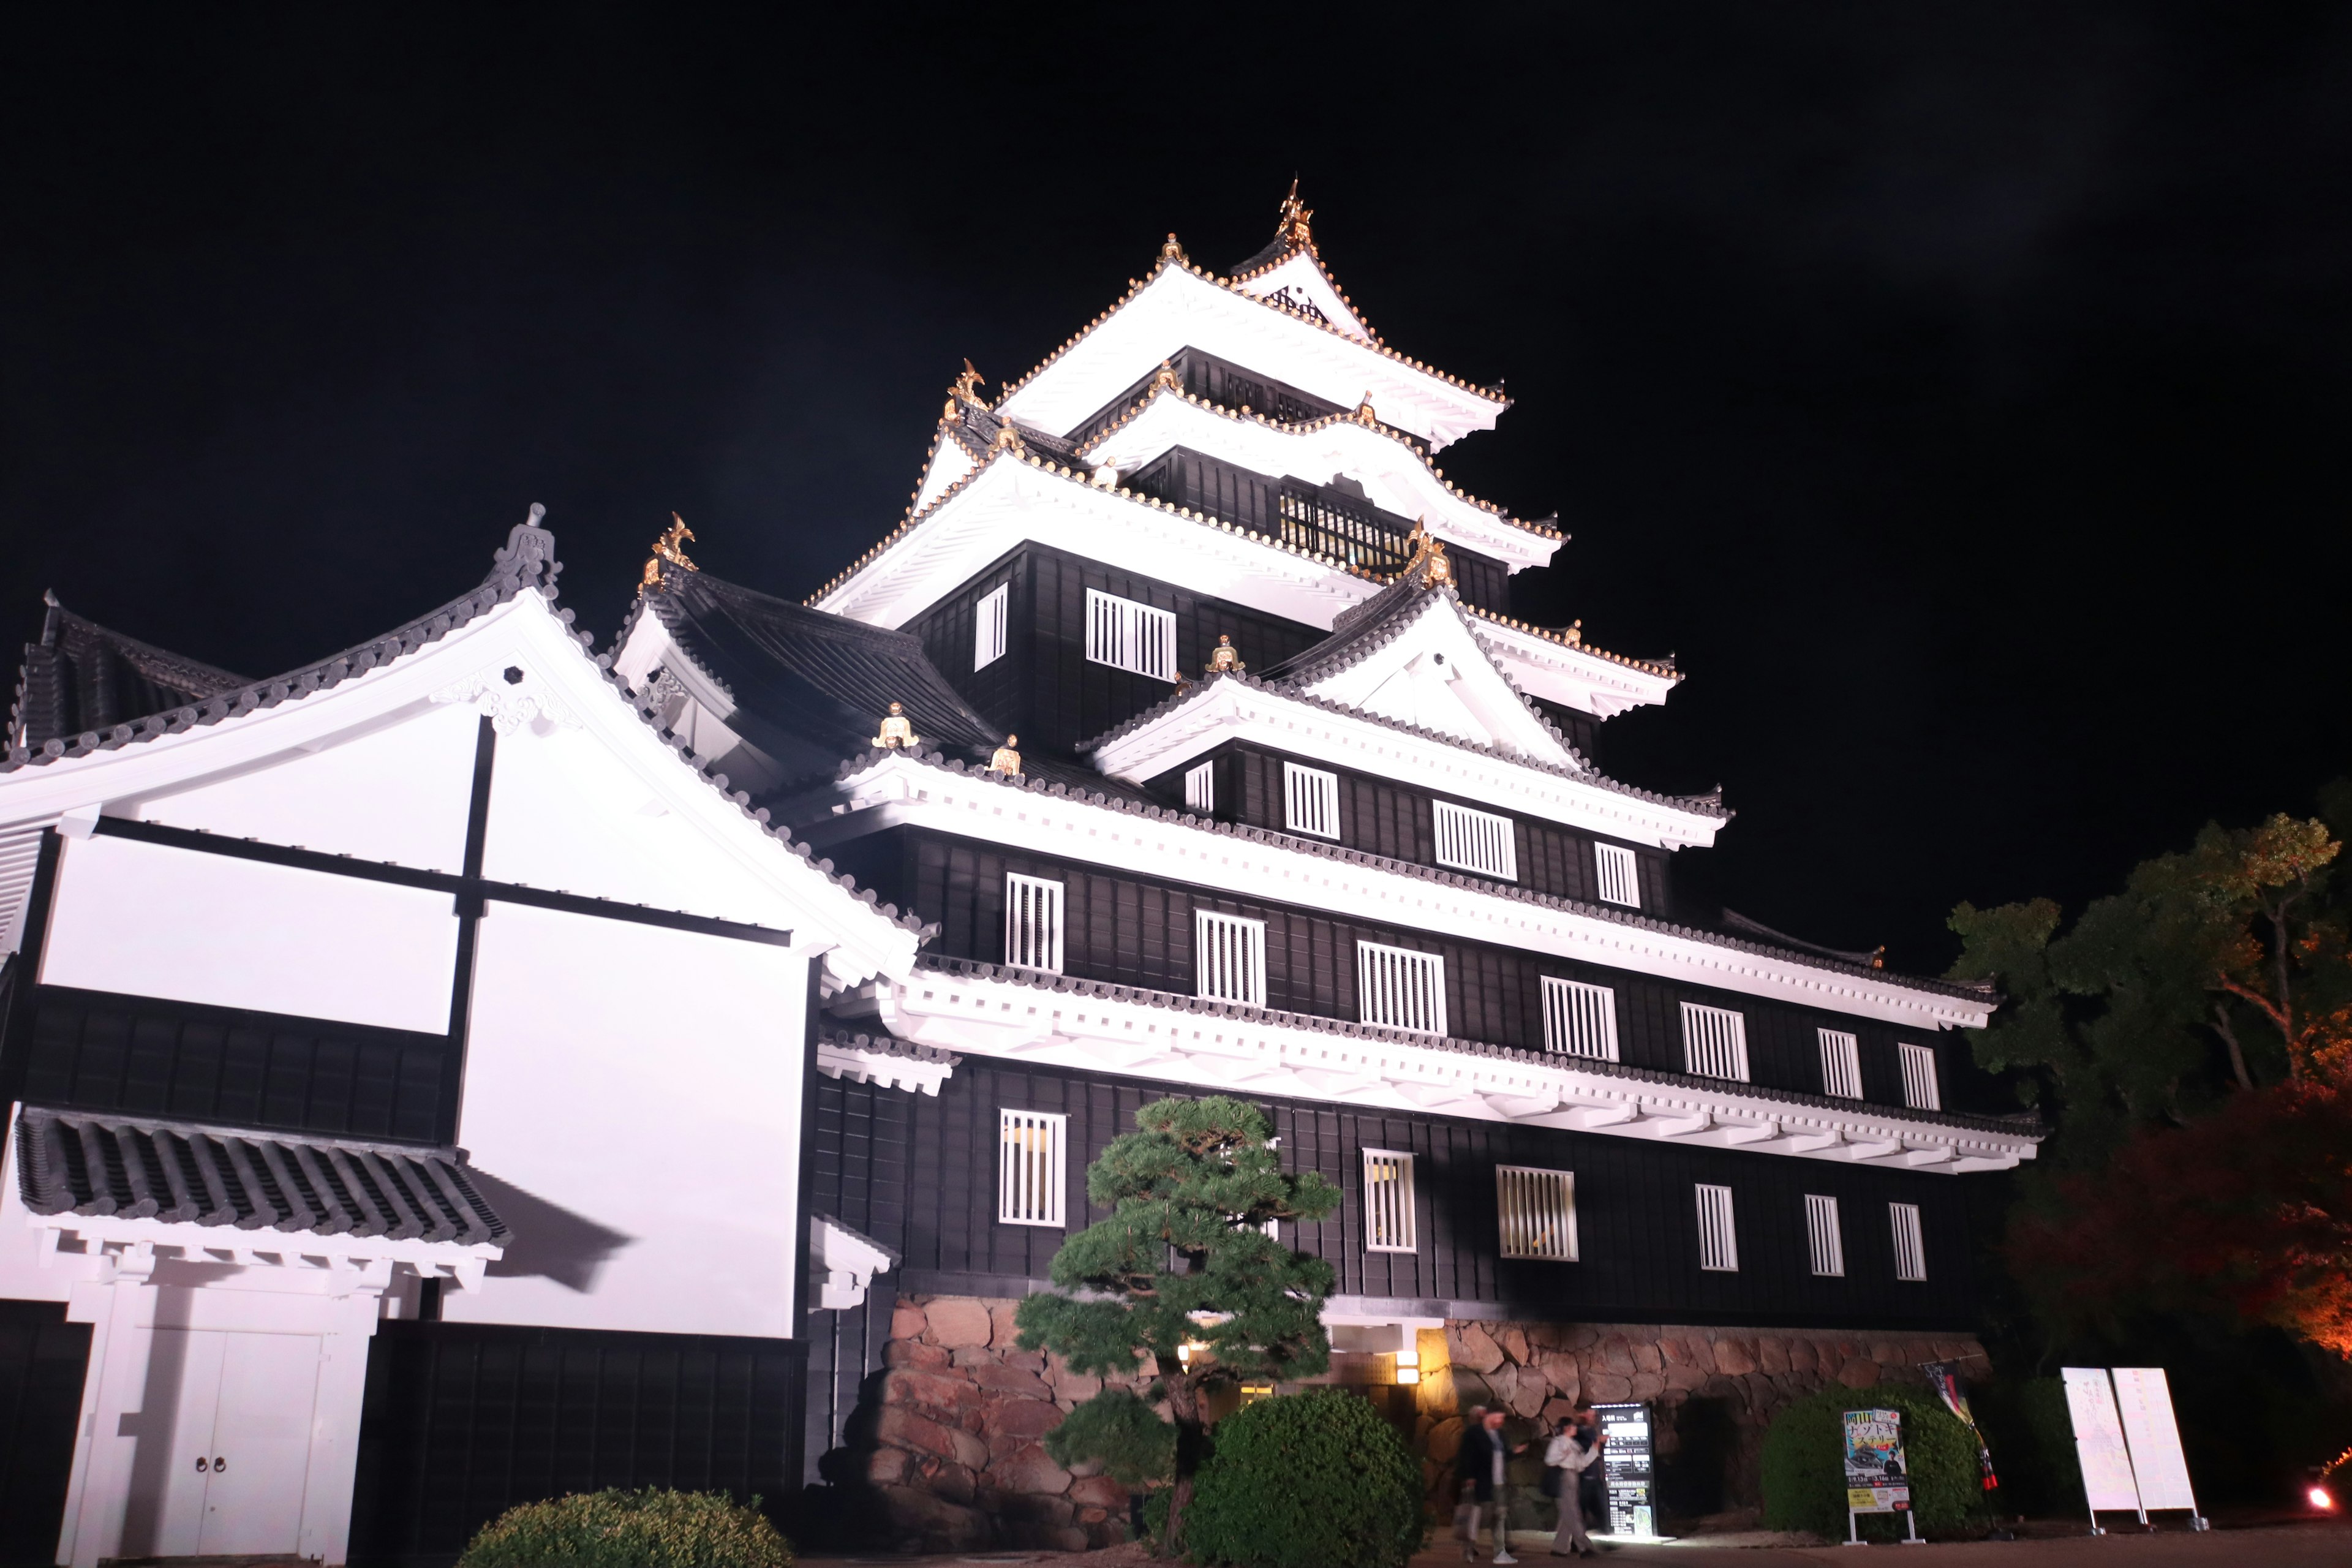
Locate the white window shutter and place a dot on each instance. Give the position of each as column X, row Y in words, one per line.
column 1477, row 841
column 1032, row 1167
column 1825, row 1239
column 1579, row 1020
column 1388, row 1201
column 1131, row 637
column 1910, row 1248
column 987, row 640
column 1032, row 922
column 1841, row 1065
column 1538, row 1211
column 1310, row 800
column 1399, row 988
column 1201, row 787
column 1620, row 881
column 1919, row 1088
column 1229, row 957
column 1715, row 1042
column 1718, row 1235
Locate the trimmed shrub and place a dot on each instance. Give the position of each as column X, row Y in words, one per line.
column 655, row 1528
column 1804, row 1465
column 1306, row 1481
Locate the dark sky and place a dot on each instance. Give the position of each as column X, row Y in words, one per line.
column 1960, row 392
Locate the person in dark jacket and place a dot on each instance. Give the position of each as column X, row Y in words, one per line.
column 1479, row 1466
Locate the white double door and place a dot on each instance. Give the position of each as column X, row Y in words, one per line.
column 237, row 1457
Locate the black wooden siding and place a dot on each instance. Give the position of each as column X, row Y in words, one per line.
column 1129, row 932
column 43, row 1359
column 1046, row 689
column 1380, row 816
column 140, row 1055
column 462, row 1421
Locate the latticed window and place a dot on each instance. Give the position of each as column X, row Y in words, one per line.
column 1400, row 988
column 1910, row 1250
column 1388, row 1201
column 1841, row 1065
column 1477, row 841
column 1715, row 1042
column 1310, row 800
column 988, row 626
column 1718, row 1238
column 1620, row 881
column 1129, row 635
column 1538, row 1213
column 1032, row 922
column 1032, row 1166
column 1201, row 787
column 1919, row 1091
column 1822, row 1237
column 1579, row 1020
column 1229, row 954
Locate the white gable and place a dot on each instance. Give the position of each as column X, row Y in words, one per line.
column 1300, row 283
column 1436, row 675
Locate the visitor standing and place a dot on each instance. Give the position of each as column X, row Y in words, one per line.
column 1566, row 1458
column 1481, row 1467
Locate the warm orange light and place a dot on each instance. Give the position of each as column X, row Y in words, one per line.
column 2320, row 1498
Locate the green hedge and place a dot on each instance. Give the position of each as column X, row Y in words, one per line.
column 1804, row 1465
column 1306, row 1481
column 655, row 1528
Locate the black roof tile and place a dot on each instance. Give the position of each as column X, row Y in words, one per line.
column 82, row 675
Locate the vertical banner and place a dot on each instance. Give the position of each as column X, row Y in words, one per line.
column 2162, row 1470
column 1944, row 1377
column 1877, row 1479
column 2107, row 1479
column 1625, row 1467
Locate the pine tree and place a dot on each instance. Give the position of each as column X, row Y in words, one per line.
column 1183, row 1276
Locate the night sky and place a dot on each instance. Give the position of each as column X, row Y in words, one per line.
column 1959, row 392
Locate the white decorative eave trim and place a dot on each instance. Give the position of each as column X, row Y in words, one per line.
column 856, row 939
column 883, row 1069
column 1181, row 306
column 1039, row 1019
column 353, row 1262
column 844, row 1263
column 891, row 790
column 1261, row 716
column 1398, row 478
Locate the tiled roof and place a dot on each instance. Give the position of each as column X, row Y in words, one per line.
column 892, row 1253
column 84, row 677
column 814, row 686
column 888, row 1045
column 2025, row 1124
column 1613, row 913
column 75, row 1162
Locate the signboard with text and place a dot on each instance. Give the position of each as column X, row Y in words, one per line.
column 2107, row 1479
column 1625, row 1467
column 1877, row 1478
column 2145, row 1400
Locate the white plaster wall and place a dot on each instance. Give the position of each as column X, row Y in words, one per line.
column 643, row 1087
column 195, row 927
column 397, row 793
column 565, row 812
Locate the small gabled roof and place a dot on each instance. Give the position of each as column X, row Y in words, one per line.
column 809, row 688
column 82, row 675
column 1290, row 270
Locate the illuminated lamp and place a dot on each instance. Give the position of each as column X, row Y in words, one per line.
column 2321, row 1497
column 1408, row 1368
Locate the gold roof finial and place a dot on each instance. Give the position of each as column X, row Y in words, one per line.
column 1166, row 377
column 1574, row 635
column 1005, row 760
column 1429, row 566
column 670, row 550
column 1224, row 659
column 897, row 732
column 1008, row 438
column 1292, row 229
column 967, row 385
column 1364, row 415
column 1171, row 250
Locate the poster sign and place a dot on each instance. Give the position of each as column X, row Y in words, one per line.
column 1625, row 1461
column 1877, row 1479
column 2145, row 1399
column 2107, row 1479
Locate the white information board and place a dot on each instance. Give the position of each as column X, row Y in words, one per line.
column 2162, row 1470
column 2107, row 1479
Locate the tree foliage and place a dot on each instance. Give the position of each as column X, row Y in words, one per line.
column 1182, row 1281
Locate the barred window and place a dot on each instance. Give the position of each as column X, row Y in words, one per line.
column 1822, row 1235
column 1718, row 1238
column 1477, row 841
column 988, row 626
column 1620, row 880
column 1538, row 1213
column 1841, row 1065
column 1032, row 922
column 1919, row 1091
column 1579, row 1020
column 1715, row 1042
column 1031, row 1148
column 1129, row 635
column 1310, row 799
column 1388, row 1201
column 1910, row 1251
column 1400, row 988
column 1201, row 787
column 1230, row 957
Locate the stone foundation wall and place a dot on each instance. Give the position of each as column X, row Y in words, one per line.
column 950, row 1443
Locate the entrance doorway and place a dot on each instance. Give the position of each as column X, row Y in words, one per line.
column 224, row 1445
